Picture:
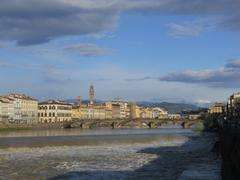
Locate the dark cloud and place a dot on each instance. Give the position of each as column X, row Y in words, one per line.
column 228, row 76
column 33, row 22
column 233, row 64
column 30, row 22
column 185, row 7
column 225, row 11
column 88, row 50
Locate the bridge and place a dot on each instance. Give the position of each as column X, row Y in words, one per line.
column 129, row 123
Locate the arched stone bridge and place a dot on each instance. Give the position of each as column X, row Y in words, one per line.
column 124, row 123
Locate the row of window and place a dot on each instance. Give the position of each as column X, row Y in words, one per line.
column 53, row 120
column 54, row 107
column 54, row 115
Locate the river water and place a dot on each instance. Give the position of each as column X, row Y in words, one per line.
column 166, row 153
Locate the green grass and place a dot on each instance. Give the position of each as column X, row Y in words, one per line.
column 13, row 129
column 198, row 127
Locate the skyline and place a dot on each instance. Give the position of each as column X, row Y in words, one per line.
column 135, row 50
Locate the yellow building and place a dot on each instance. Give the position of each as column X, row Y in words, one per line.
column 217, row 108
column 146, row 113
column 135, row 111
column 91, row 112
column 120, row 109
column 54, row 111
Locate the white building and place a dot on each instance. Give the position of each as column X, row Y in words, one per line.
column 159, row 113
column 25, row 108
column 54, row 111
column 6, row 110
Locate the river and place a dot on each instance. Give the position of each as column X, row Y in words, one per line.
column 165, row 153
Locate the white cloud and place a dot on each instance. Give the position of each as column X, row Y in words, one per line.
column 227, row 77
column 187, row 29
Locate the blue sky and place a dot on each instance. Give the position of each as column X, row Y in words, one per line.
column 170, row 50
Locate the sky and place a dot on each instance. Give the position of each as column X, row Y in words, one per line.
column 138, row 50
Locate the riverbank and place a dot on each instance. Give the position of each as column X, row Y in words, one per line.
column 110, row 154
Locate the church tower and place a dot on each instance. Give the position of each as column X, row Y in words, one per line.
column 91, row 94
column 79, row 100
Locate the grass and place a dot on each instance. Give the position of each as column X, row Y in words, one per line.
column 198, row 127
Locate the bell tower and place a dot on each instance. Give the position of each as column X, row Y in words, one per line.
column 79, row 100
column 91, row 94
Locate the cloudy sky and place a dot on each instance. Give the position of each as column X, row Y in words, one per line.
column 159, row 50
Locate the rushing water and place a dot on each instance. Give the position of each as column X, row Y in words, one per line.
column 107, row 154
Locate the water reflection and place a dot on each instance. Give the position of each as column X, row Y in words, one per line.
column 89, row 132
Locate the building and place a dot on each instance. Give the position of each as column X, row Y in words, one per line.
column 146, row 113
column 233, row 108
column 91, row 95
column 24, row 108
column 91, row 112
column 217, row 108
column 159, row 113
column 194, row 116
column 174, row 116
column 120, row 109
column 54, row 111
column 6, row 110
column 135, row 111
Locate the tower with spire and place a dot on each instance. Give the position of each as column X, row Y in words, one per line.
column 91, row 95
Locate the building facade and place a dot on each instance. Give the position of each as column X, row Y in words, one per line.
column 6, row 110
column 217, row 108
column 91, row 112
column 21, row 108
column 54, row 111
column 233, row 108
column 120, row 109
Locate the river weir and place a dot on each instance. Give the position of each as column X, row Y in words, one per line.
column 166, row 153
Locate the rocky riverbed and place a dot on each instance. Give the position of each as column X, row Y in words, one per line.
column 141, row 154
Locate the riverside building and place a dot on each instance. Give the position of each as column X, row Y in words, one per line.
column 52, row 111
column 233, row 108
column 91, row 110
column 19, row 108
column 217, row 108
column 6, row 110
column 25, row 108
column 120, row 109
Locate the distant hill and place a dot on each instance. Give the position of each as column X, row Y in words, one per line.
column 171, row 107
